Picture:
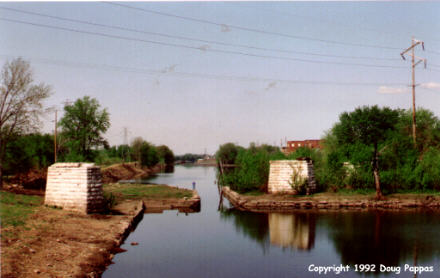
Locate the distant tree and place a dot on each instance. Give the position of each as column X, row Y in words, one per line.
column 136, row 145
column 368, row 126
column 149, row 155
column 21, row 103
column 82, row 125
column 165, row 154
column 227, row 153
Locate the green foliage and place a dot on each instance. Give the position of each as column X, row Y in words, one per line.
column 166, row 156
column 82, row 125
column 297, row 181
column 251, row 170
column 188, row 157
column 149, row 155
column 109, row 201
column 402, row 166
column 227, row 153
column 32, row 151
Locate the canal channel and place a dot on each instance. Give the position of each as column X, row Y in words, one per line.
column 231, row 243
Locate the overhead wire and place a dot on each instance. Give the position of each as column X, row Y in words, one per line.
column 193, row 39
column 258, row 30
column 206, row 49
column 248, row 28
column 163, row 73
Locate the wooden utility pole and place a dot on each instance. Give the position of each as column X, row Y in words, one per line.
column 55, row 136
column 414, row 43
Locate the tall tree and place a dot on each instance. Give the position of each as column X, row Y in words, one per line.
column 368, row 126
column 166, row 155
column 83, row 124
column 21, row 103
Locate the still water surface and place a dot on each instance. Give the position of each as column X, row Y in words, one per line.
column 231, row 243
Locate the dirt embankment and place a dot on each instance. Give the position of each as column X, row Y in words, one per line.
column 59, row 243
column 285, row 202
column 127, row 171
column 35, row 179
column 124, row 171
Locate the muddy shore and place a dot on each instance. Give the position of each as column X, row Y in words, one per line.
column 285, row 203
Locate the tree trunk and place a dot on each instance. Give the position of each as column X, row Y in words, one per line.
column 1, row 175
column 376, row 174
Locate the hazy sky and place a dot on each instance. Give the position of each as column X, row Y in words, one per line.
column 194, row 75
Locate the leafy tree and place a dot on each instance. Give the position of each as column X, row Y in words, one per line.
column 368, row 126
column 83, row 125
column 227, row 153
column 165, row 155
column 149, row 155
column 21, row 103
column 189, row 157
column 136, row 145
column 31, row 151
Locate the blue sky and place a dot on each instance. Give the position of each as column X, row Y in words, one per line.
column 195, row 94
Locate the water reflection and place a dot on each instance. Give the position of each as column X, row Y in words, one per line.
column 389, row 238
column 370, row 237
column 292, row 230
column 253, row 225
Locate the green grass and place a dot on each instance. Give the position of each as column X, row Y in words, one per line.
column 362, row 191
column 253, row 193
column 15, row 208
column 145, row 191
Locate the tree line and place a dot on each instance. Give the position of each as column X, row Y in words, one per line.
column 370, row 148
column 23, row 147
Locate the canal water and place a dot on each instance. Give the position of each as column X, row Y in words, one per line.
column 230, row 243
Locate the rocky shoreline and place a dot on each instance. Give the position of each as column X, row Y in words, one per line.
column 268, row 203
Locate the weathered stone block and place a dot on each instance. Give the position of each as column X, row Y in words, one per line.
column 75, row 186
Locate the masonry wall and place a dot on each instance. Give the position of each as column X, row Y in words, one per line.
column 280, row 174
column 75, row 186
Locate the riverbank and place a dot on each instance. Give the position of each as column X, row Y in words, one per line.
column 127, row 171
column 328, row 201
column 157, row 198
column 40, row 241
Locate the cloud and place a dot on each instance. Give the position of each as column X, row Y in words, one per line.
column 431, row 85
column 392, row 90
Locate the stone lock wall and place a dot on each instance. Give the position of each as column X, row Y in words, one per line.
column 75, row 186
column 281, row 171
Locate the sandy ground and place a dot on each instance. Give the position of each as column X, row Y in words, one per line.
column 59, row 243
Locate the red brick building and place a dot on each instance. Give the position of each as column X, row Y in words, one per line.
column 294, row 145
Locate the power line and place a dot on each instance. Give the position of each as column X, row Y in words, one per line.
column 193, row 39
column 202, row 48
column 223, row 25
column 200, row 75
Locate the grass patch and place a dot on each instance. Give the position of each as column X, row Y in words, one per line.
column 15, row 208
column 253, row 193
column 146, row 191
column 361, row 191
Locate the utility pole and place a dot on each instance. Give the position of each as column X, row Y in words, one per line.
column 414, row 43
column 55, row 137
